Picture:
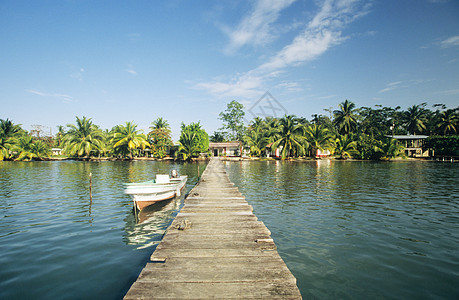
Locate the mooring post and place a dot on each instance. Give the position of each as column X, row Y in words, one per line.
column 90, row 186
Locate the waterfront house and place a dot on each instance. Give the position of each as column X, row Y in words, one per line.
column 56, row 151
column 225, row 148
column 414, row 144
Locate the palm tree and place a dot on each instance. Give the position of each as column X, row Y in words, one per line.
column 345, row 146
column 257, row 140
column 160, row 123
column 390, row 148
column 289, row 137
column 188, row 146
column 83, row 138
column 448, row 121
column 127, row 138
column 345, row 119
column 414, row 118
column 318, row 137
column 9, row 134
column 29, row 149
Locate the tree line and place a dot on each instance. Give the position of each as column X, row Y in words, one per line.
column 363, row 133
column 348, row 132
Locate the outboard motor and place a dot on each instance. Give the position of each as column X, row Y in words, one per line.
column 174, row 174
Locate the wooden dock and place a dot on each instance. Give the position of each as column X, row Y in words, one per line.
column 215, row 248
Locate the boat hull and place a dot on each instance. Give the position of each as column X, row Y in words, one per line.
column 148, row 193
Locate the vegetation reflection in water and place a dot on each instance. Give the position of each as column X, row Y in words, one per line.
column 360, row 230
column 55, row 243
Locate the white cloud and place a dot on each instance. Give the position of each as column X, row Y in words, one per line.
column 65, row 98
column 256, row 28
column 450, row 42
column 130, row 70
column 319, row 35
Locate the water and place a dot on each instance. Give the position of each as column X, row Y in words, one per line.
column 57, row 244
column 360, row 230
column 347, row 230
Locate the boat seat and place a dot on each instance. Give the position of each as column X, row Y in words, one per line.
column 162, row 179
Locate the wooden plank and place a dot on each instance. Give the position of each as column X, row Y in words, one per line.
column 213, row 290
column 224, row 251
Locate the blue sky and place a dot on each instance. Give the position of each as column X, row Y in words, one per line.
column 118, row 61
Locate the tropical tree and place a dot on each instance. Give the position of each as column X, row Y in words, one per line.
column 318, row 137
column 127, row 138
column 59, row 136
column 345, row 118
column 29, row 149
column 448, row 121
column 217, row 137
column 414, row 118
column 188, row 147
column 193, row 141
column 233, row 117
column 345, row 146
column 160, row 138
column 9, row 134
column 257, row 140
column 289, row 137
column 160, row 123
column 83, row 138
column 390, row 148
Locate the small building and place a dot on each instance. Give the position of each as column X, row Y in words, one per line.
column 225, row 148
column 323, row 153
column 56, row 151
column 414, row 144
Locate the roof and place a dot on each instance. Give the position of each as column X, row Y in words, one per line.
column 408, row 137
column 224, row 144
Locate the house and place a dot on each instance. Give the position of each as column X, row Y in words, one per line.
column 56, row 151
column 414, row 144
column 225, row 148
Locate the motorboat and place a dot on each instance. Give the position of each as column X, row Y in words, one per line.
column 161, row 188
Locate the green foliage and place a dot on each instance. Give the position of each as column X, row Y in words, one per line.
column 160, row 138
column 448, row 121
column 217, row 137
column 127, row 138
column 390, row 148
column 193, row 141
column 9, row 134
column 415, row 117
column 443, row 145
column 29, row 148
column 289, row 137
column 318, row 137
column 345, row 147
column 345, row 118
column 233, row 118
column 83, row 138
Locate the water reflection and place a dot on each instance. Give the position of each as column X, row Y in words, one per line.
column 360, row 230
column 146, row 228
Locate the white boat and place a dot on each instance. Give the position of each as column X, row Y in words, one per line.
column 163, row 187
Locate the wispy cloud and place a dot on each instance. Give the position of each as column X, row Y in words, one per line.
column 402, row 84
column 256, row 29
column 130, row 70
column 65, row 98
column 319, row 35
column 391, row 86
column 450, row 42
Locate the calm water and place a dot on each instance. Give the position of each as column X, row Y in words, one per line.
column 360, row 230
column 347, row 230
column 56, row 244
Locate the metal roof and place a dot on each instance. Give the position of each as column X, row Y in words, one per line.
column 408, row 137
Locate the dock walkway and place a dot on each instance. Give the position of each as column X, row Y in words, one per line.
column 215, row 248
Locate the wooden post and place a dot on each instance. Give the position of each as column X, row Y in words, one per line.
column 90, row 186
column 198, row 172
